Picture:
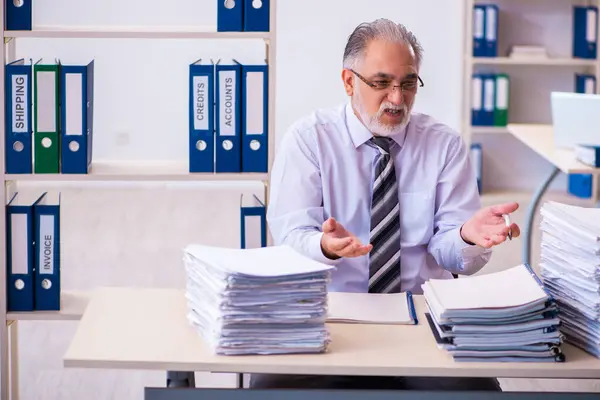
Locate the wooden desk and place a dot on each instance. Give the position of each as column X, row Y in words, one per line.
column 540, row 138
column 131, row 328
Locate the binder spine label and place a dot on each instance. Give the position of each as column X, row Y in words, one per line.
column 590, row 88
column 591, row 26
column 227, row 90
column 73, row 104
column 19, row 244
column 255, row 101
column 46, row 248
column 502, row 93
column 478, row 23
column 476, row 93
column 20, row 101
column 200, row 84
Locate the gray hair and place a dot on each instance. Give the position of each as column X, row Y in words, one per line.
column 378, row 29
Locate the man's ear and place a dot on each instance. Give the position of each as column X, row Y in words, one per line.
column 348, row 79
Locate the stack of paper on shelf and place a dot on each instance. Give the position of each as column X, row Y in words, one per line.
column 570, row 270
column 269, row 300
column 502, row 316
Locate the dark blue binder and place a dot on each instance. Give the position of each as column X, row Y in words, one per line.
column 256, row 15
column 201, row 117
column 479, row 23
column 230, row 15
column 18, row 122
column 585, row 22
column 228, row 130
column 18, row 15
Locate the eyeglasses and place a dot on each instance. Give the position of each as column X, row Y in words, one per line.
column 409, row 85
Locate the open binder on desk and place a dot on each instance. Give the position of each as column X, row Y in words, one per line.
column 371, row 308
column 504, row 316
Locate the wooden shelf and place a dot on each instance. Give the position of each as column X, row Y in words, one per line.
column 139, row 171
column 67, row 32
column 533, row 61
column 73, row 305
column 488, row 130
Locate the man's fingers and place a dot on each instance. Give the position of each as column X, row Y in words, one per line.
column 337, row 245
column 329, row 225
column 356, row 250
column 505, row 208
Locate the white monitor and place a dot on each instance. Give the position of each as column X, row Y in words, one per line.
column 575, row 119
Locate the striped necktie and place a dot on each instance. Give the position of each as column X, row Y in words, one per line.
column 384, row 268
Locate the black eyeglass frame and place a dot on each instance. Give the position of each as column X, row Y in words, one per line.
column 376, row 87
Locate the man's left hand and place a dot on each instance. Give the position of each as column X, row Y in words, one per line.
column 487, row 227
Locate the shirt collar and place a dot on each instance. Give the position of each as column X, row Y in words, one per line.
column 360, row 134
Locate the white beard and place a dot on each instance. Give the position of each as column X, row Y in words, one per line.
column 374, row 124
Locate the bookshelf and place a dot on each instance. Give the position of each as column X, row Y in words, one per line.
column 73, row 304
column 531, row 80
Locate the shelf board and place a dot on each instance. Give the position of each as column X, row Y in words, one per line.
column 73, row 305
column 134, row 33
column 488, row 130
column 533, row 61
column 139, row 171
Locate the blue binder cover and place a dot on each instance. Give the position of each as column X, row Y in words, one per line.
column 585, row 22
column 230, row 17
column 47, row 249
column 77, row 105
column 18, row 15
column 479, row 23
column 228, row 147
column 201, row 117
column 255, row 117
column 20, row 254
column 18, row 123
column 491, row 30
column 477, row 99
column 252, row 210
column 256, row 15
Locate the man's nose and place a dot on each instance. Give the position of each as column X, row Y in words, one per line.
column 396, row 96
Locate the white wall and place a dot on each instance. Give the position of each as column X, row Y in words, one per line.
column 141, row 85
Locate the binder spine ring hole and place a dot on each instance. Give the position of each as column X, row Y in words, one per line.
column 46, row 284
column 255, row 145
column 257, row 3
column 18, row 146
column 229, row 4
column 73, row 146
column 227, row 145
column 19, row 284
column 201, row 145
column 46, row 142
column 18, row 3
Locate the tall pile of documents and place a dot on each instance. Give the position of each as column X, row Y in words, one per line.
column 570, row 270
column 269, row 300
column 502, row 316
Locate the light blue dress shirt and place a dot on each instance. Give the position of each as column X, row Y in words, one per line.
column 324, row 168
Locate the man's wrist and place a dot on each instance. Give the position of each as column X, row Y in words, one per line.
column 463, row 238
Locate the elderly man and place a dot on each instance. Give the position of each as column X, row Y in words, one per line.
column 387, row 195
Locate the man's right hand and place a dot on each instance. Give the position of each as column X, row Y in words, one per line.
column 337, row 242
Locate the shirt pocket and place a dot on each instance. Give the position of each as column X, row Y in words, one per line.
column 417, row 211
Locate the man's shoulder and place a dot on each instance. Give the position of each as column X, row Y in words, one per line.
column 318, row 120
column 430, row 127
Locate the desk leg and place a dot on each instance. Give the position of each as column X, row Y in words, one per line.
column 537, row 196
column 181, row 379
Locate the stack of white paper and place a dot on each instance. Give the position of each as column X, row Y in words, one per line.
column 502, row 316
column 269, row 300
column 570, row 269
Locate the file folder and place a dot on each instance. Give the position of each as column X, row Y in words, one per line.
column 230, row 17
column 489, row 99
column 477, row 162
column 479, row 45
column 46, row 110
column 77, row 95
column 228, row 147
column 477, row 100
column 20, row 255
column 256, row 15
column 18, row 128
column 255, row 122
column 585, row 22
column 491, row 30
column 253, row 214
column 47, row 249
column 201, row 117
column 580, row 185
column 18, row 15
column 502, row 100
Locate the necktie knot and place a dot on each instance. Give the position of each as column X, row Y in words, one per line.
column 383, row 143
